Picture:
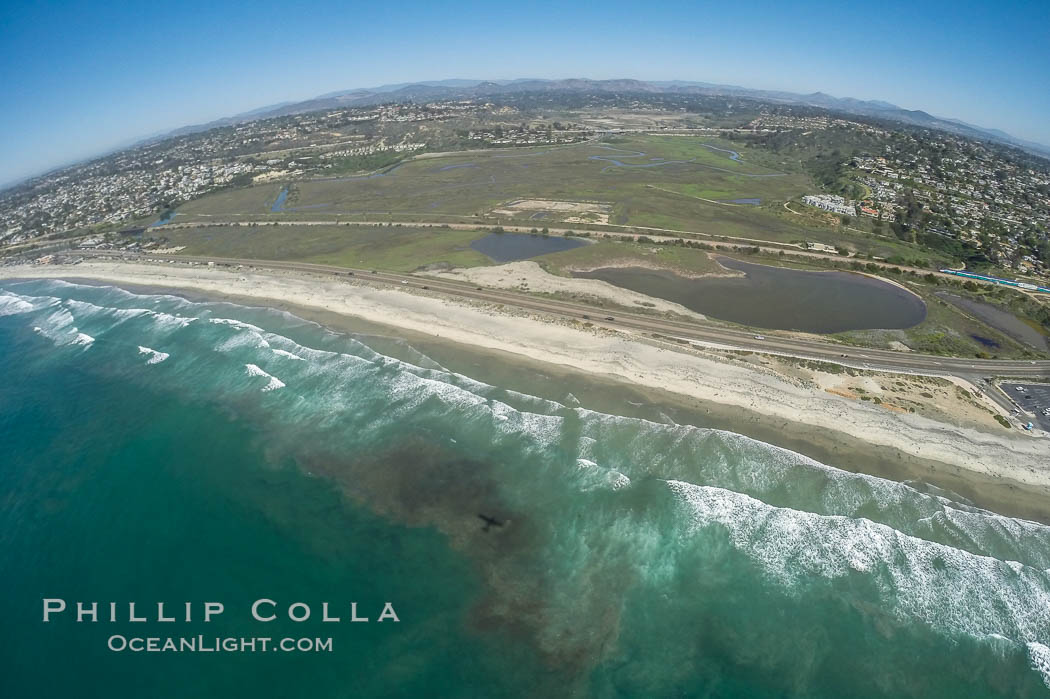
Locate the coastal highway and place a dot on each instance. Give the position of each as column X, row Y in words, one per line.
column 692, row 331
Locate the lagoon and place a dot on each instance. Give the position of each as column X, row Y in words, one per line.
column 1001, row 319
column 779, row 298
column 278, row 204
column 509, row 247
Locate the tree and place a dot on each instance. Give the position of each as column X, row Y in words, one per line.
column 1043, row 251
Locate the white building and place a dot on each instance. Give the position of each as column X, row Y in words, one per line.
column 831, row 202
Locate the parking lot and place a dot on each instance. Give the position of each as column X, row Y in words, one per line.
column 1034, row 398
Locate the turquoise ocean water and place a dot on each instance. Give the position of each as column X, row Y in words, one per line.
column 157, row 449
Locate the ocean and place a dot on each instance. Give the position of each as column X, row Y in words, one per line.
column 157, row 449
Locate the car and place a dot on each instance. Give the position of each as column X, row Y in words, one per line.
column 760, row 337
column 609, row 318
column 404, row 282
column 586, row 317
column 477, row 288
column 425, row 286
column 1022, row 389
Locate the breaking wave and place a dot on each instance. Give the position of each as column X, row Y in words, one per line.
column 11, row 304
column 274, row 382
column 155, row 357
column 286, row 353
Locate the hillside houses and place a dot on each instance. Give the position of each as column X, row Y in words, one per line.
column 831, row 202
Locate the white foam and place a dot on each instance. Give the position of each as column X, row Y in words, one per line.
column 946, row 588
column 408, row 391
column 274, row 383
column 167, row 321
column 83, row 308
column 728, row 460
column 59, row 320
column 285, row 353
column 63, row 283
column 59, row 328
column 11, row 304
column 543, row 430
column 155, row 357
column 596, row 476
column 235, row 323
column 243, row 339
column 1039, row 655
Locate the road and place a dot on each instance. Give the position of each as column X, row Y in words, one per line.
column 693, row 331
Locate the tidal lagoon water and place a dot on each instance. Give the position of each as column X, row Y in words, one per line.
column 158, row 449
column 1000, row 319
column 778, row 297
column 508, row 247
column 168, row 217
column 278, row 203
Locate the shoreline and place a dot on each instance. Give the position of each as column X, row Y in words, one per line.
column 995, row 471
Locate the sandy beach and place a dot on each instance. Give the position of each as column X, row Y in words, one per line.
column 1009, row 458
column 527, row 275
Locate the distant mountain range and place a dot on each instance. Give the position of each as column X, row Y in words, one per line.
column 463, row 89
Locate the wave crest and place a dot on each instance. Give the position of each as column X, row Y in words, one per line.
column 274, row 382
column 155, row 357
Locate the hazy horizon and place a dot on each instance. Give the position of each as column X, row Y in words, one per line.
column 150, row 69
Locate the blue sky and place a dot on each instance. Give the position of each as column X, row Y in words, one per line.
column 78, row 78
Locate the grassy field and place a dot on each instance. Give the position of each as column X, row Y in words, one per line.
column 672, row 182
column 250, row 200
column 394, row 248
